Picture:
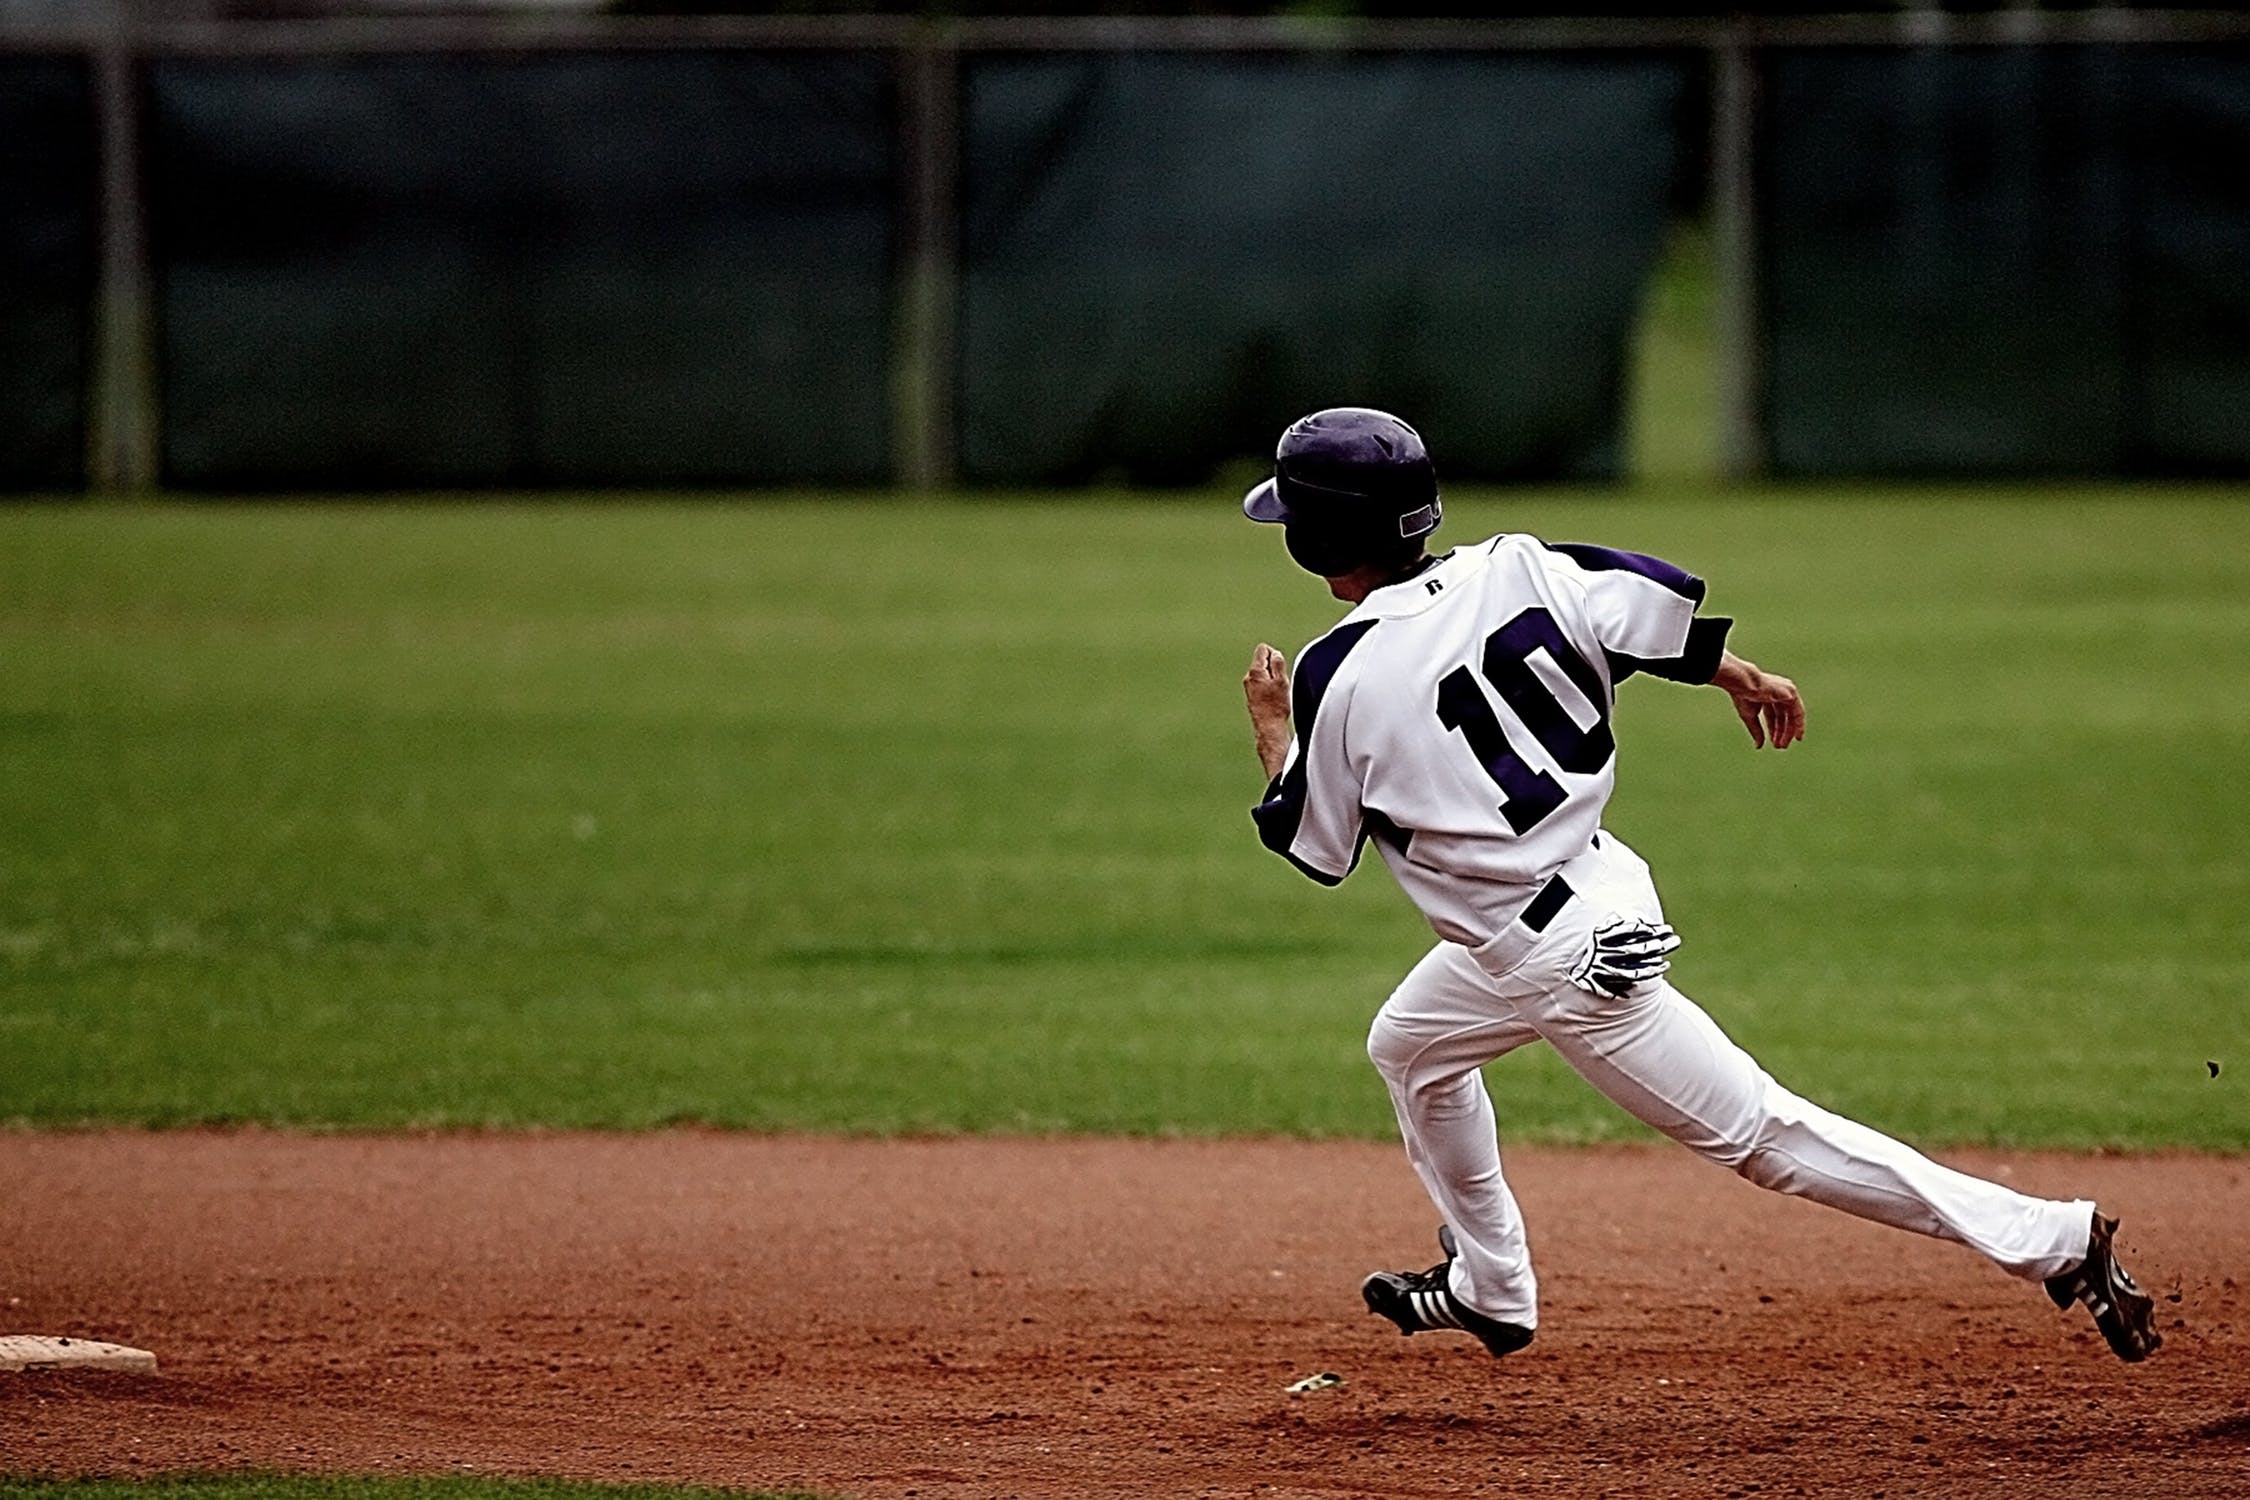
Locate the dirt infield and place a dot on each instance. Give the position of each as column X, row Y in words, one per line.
column 954, row 1318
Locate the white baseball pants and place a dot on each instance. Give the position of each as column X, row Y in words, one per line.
column 1662, row 1060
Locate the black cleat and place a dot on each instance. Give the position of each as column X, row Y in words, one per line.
column 1420, row 1301
column 2122, row 1311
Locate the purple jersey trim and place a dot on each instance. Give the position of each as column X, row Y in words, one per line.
column 1283, row 811
column 1698, row 661
column 1608, row 559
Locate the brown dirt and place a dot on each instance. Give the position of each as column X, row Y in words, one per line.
column 955, row 1318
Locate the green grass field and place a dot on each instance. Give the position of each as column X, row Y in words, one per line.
column 886, row 815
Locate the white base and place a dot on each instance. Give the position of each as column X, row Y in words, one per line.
column 24, row 1351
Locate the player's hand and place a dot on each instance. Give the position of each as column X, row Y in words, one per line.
column 1265, row 687
column 1768, row 703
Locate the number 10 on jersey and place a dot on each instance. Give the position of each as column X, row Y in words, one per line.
column 1528, row 794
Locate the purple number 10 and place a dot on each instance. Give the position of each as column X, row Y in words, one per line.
column 1529, row 794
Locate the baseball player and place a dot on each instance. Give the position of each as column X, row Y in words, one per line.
column 1459, row 719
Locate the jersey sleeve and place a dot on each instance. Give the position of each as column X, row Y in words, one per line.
column 1311, row 813
column 1643, row 612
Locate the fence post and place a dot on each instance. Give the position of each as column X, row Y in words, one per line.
column 1734, row 207
column 922, row 403
column 121, row 441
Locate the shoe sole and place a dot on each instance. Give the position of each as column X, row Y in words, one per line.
column 2123, row 1313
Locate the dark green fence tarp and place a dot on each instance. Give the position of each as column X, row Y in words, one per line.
column 1167, row 257
column 648, row 268
column 48, row 258
column 2006, row 261
column 2188, row 337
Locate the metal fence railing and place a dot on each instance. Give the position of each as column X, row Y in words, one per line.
column 123, row 389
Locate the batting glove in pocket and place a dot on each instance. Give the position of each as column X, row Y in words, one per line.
column 1627, row 953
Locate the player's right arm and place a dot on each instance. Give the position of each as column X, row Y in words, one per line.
column 1642, row 611
column 1769, row 704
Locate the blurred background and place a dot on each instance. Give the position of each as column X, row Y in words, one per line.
column 259, row 245
column 881, row 766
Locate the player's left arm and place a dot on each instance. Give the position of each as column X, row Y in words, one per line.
column 1310, row 814
column 1769, row 703
column 1266, row 688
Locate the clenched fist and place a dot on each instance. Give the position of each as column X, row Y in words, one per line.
column 1265, row 687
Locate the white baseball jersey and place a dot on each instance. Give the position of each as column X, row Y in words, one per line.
column 1461, row 718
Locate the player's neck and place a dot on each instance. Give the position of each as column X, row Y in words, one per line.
column 1356, row 585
